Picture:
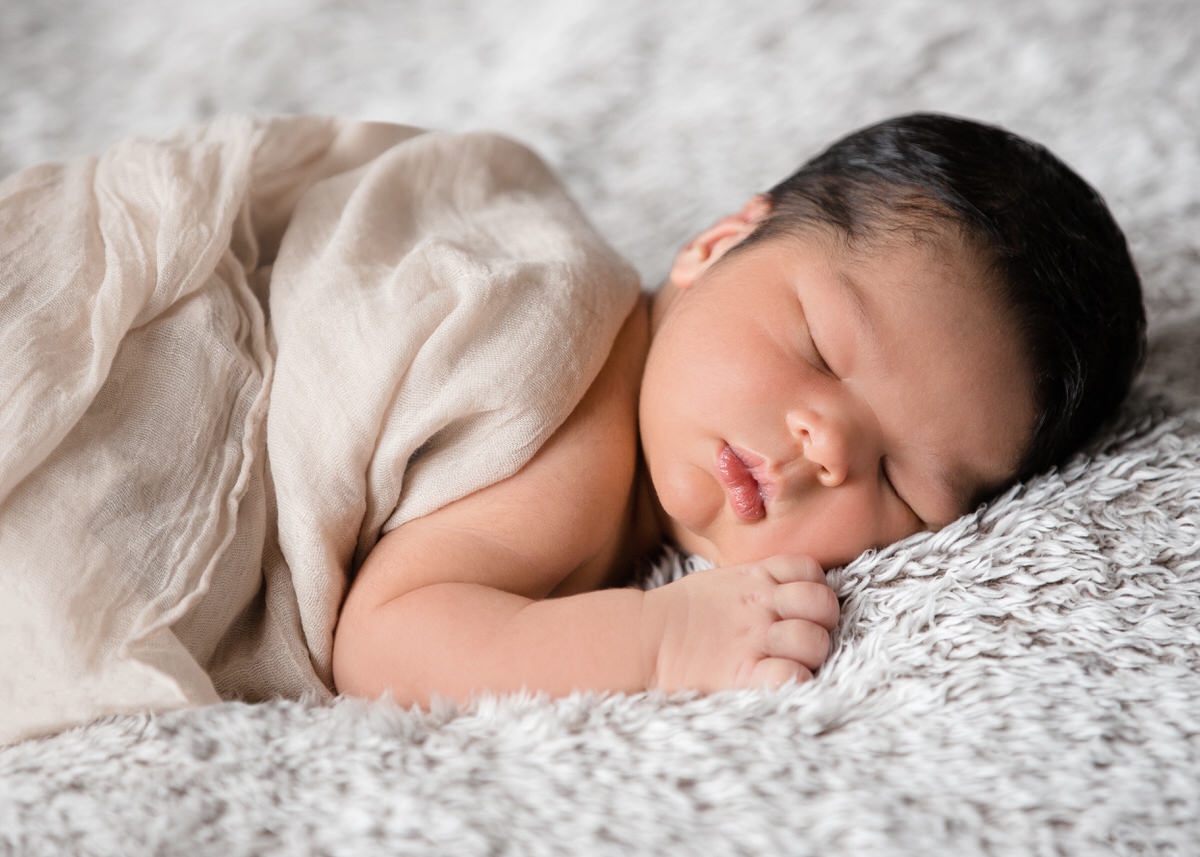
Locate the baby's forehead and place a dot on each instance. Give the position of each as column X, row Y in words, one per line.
column 937, row 235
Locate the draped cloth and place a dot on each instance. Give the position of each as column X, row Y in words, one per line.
column 231, row 360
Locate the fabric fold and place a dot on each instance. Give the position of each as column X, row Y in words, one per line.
column 229, row 361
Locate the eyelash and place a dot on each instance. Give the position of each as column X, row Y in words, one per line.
column 892, row 487
column 821, row 362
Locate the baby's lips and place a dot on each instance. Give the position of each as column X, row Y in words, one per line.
column 745, row 493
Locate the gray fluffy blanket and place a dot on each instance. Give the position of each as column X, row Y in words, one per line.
column 1024, row 682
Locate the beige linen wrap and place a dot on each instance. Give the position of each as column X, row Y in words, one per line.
column 230, row 361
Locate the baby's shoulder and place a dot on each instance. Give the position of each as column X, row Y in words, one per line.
column 579, row 486
column 559, row 523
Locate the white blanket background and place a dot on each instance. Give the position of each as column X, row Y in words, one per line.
column 1024, row 682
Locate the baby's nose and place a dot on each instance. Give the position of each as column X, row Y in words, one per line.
column 825, row 440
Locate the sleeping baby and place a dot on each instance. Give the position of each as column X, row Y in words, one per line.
column 300, row 405
column 923, row 314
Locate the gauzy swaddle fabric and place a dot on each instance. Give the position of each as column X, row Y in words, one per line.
column 231, row 360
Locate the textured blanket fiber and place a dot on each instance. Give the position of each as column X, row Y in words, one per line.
column 1023, row 682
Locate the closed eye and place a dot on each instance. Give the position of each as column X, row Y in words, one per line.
column 883, row 470
column 818, row 357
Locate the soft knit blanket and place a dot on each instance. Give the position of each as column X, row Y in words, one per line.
column 229, row 362
column 1023, row 683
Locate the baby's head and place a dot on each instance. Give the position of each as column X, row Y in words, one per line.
column 924, row 313
column 1050, row 247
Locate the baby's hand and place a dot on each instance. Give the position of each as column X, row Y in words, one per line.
column 753, row 625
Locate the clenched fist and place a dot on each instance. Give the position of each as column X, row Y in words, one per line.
column 754, row 625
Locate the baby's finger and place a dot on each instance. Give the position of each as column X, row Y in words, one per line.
column 798, row 640
column 775, row 672
column 815, row 602
column 789, row 569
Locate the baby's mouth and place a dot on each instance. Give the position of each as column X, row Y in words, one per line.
column 736, row 469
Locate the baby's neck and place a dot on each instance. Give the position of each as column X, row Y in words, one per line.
column 645, row 535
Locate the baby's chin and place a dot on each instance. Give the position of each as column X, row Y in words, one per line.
column 693, row 543
column 688, row 540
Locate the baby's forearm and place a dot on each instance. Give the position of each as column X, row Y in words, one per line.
column 451, row 639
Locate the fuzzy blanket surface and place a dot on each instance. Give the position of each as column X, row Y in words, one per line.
column 1025, row 681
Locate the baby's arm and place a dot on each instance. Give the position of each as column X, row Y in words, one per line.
column 455, row 636
column 754, row 625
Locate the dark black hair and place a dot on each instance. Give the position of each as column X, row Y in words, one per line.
column 1058, row 259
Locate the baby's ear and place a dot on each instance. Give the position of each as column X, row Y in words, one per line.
column 699, row 254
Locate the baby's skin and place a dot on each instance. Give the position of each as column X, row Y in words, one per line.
column 777, row 410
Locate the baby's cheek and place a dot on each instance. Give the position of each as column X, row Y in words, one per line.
column 689, row 497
